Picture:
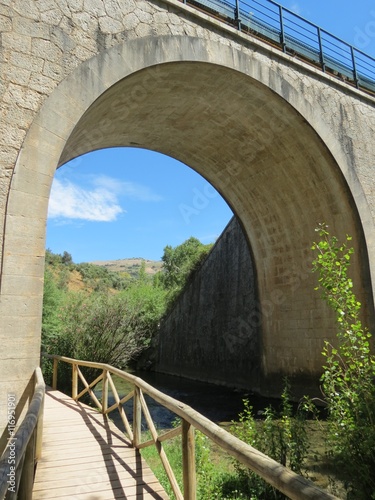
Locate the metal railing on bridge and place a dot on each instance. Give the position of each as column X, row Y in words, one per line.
column 295, row 35
column 282, row 478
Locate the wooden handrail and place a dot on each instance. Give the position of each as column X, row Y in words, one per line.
column 283, row 479
column 17, row 464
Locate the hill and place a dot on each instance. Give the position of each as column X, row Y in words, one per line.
column 130, row 266
column 99, row 275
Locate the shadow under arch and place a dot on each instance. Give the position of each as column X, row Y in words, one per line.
column 202, row 103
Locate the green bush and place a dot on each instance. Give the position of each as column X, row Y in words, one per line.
column 99, row 327
column 349, row 371
column 179, row 263
column 282, row 436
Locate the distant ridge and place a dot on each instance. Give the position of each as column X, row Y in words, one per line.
column 131, row 265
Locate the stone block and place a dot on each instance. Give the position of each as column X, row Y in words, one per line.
column 95, row 7
column 22, row 285
column 46, row 50
column 21, row 307
column 26, row 9
column 27, row 61
column 42, row 84
column 23, row 97
column 52, row 16
column 19, row 76
column 5, row 24
column 61, row 39
column 28, row 265
column 16, row 42
column 53, row 70
column 29, row 243
column 111, row 26
column 44, row 146
column 25, row 26
column 11, row 136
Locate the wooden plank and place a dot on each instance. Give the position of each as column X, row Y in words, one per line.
column 85, row 456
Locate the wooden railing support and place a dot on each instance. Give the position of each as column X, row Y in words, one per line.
column 137, row 417
column 188, row 461
column 23, row 450
column 27, row 477
column 39, row 432
column 288, row 482
column 74, row 381
column 105, row 392
column 54, row 376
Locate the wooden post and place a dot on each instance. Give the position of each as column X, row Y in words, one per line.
column 54, row 376
column 188, row 461
column 39, row 433
column 74, row 381
column 27, row 473
column 105, row 392
column 137, row 417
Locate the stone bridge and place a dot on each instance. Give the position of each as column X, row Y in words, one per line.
column 286, row 144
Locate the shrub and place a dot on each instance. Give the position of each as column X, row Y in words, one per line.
column 99, row 327
column 282, row 436
column 349, row 371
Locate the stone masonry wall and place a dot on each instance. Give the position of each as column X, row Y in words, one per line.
column 212, row 332
column 43, row 41
column 287, row 145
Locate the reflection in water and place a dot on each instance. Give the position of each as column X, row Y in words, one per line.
column 218, row 403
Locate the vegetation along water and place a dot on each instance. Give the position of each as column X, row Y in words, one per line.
column 96, row 314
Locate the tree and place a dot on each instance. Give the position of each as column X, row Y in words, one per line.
column 52, row 296
column 66, row 258
column 180, row 261
column 349, row 370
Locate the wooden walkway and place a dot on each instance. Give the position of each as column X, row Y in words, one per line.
column 85, row 456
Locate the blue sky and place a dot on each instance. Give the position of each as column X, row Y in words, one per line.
column 125, row 202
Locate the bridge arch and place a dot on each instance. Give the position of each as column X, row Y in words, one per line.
column 245, row 127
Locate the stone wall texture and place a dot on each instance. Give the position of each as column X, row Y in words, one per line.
column 212, row 332
column 286, row 145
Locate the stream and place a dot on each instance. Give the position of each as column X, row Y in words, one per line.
column 218, row 403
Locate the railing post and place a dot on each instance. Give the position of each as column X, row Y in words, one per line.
column 39, row 433
column 54, row 376
column 355, row 74
column 137, row 416
column 321, row 53
column 282, row 32
column 188, row 461
column 74, row 381
column 27, row 474
column 237, row 15
column 105, row 392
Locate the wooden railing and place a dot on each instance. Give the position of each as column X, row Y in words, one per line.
column 283, row 479
column 17, row 464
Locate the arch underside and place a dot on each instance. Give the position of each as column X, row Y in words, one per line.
column 210, row 106
column 273, row 169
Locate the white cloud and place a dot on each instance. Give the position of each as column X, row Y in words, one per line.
column 129, row 189
column 70, row 201
column 100, row 203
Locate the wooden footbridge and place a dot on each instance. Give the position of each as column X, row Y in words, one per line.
column 85, row 456
column 65, row 449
